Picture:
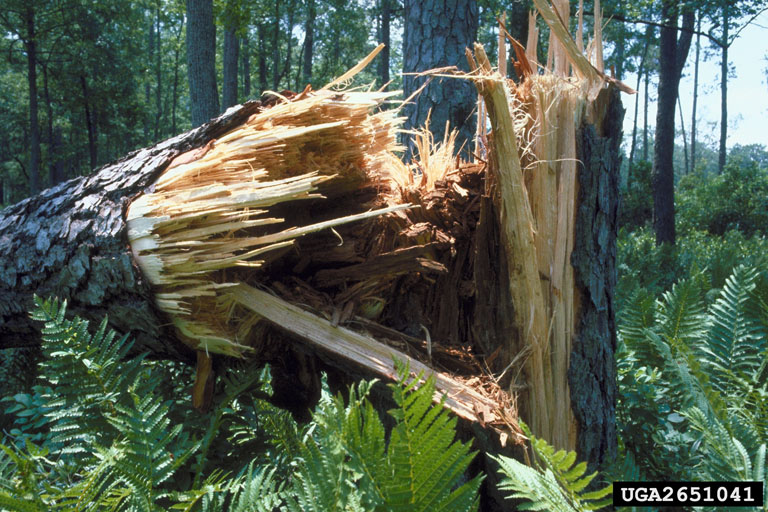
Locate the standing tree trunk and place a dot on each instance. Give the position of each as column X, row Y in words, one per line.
column 384, row 37
column 288, row 51
column 640, row 71
column 147, row 85
column 724, row 88
column 645, row 114
column 672, row 55
column 276, row 48
column 231, row 57
column 262, row 57
column 695, row 94
column 158, row 74
column 229, row 85
column 246, row 58
column 30, row 45
column 309, row 41
column 685, row 138
column 435, row 35
column 89, row 124
column 201, row 61
column 177, row 51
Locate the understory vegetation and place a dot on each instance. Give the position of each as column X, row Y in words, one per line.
column 99, row 431
column 693, row 330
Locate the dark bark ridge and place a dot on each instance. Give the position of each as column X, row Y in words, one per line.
column 70, row 241
column 436, row 34
column 592, row 370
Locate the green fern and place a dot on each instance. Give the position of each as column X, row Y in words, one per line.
column 109, row 436
column 713, row 377
column 557, row 484
column 346, row 464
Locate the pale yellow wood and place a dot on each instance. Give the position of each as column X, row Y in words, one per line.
column 367, row 352
column 518, row 240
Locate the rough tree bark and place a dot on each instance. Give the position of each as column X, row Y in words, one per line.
column 70, row 241
column 592, row 370
column 384, row 37
column 229, row 82
column 724, row 90
column 201, row 61
column 672, row 55
column 246, row 60
column 436, row 34
column 695, row 93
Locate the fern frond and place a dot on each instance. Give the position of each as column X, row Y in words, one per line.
column 427, row 463
column 558, row 484
column 256, row 491
column 734, row 345
column 727, row 459
column 540, row 490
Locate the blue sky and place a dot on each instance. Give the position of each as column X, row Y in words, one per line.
column 747, row 91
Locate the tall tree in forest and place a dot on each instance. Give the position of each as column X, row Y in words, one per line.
column 641, row 69
column 245, row 57
column 261, row 30
column 19, row 19
column 201, row 61
column 435, row 35
column 231, row 57
column 645, row 113
column 385, row 14
column 673, row 52
column 727, row 15
column 695, row 92
column 158, row 71
column 309, row 41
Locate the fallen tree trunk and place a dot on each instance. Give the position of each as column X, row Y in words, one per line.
column 158, row 240
column 71, row 241
column 294, row 236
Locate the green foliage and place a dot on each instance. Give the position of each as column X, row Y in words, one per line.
column 734, row 200
column 693, row 380
column 98, row 433
column 557, row 483
column 646, row 268
column 345, row 463
column 636, row 208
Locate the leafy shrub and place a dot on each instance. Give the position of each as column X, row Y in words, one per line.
column 734, row 200
column 636, row 205
column 710, row 259
column 693, row 380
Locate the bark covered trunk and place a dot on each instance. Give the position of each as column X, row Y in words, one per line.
column 384, row 37
column 592, row 369
column 724, row 90
column 694, row 121
column 34, row 128
column 70, row 241
column 201, row 61
column 436, row 34
column 230, row 61
column 672, row 55
column 309, row 41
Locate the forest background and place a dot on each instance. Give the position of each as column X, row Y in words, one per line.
column 85, row 82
